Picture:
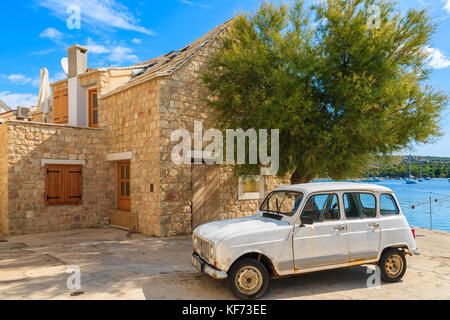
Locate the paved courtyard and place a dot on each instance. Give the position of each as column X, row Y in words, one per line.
column 117, row 265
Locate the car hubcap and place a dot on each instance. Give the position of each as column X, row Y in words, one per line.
column 248, row 280
column 394, row 265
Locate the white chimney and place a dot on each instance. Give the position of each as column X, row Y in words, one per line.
column 78, row 96
column 77, row 60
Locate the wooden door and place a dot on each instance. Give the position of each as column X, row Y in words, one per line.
column 205, row 199
column 93, row 108
column 123, row 186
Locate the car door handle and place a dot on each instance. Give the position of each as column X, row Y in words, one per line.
column 339, row 228
column 374, row 225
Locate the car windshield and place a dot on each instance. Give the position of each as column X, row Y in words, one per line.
column 282, row 202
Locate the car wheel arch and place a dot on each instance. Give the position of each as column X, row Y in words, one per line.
column 401, row 246
column 264, row 259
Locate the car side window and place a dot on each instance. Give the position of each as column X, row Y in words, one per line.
column 388, row 205
column 359, row 205
column 322, row 207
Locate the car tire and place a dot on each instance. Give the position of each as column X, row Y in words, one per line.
column 392, row 265
column 248, row 279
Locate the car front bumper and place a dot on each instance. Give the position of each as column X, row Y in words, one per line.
column 416, row 252
column 203, row 267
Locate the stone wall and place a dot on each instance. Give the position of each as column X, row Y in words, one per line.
column 182, row 101
column 28, row 144
column 4, row 178
column 131, row 118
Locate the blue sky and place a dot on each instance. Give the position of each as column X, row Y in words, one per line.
column 122, row 32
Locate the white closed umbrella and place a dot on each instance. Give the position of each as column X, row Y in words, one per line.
column 45, row 94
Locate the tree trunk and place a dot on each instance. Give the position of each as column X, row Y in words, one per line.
column 298, row 178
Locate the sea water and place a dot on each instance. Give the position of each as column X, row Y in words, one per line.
column 418, row 195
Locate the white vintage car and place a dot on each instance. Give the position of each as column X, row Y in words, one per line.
column 305, row 228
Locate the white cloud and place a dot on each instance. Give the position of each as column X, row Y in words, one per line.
column 136, row 41
column 51, row 33
column 58, row 76
column 122, row 54
column 191, row 3
column 94, row 47
column 98, row 13
column 20, row 79
column 42, row 52
column 436, row 59
column 116, row 53
column 447, row 6
column 18, row 99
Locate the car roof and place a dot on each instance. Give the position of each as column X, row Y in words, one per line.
column 307, row 188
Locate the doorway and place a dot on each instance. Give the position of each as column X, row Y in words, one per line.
column 205, row 194
column 123, row 186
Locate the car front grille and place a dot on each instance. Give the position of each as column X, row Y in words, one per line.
column 203, row 248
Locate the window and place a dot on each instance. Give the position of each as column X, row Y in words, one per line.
column 93, row 108
column 283, row 202
column 251, row 188
column 359, row 205
column 322, row 207
column 63, row 184
column 388, row 205
column 60, row 107
column 123, row 186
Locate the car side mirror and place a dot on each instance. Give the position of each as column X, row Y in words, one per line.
column 306, row 220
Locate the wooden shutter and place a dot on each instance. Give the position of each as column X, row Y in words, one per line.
column 93, row 108
column 61, row 107
column 74, row 181
column 54, row 185
column 63, row 184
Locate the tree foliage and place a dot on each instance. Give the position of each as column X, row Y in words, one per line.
column 340, row 89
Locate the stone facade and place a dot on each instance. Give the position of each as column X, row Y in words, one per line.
column 138, row 120
column 4, row 178
column 24, row 207
column 182, row 101
column 131, row 118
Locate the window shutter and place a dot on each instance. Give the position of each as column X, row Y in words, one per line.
column 63, row 184
column 74, row 182
column 54, row 185
column 56, row 101
column 60, row 107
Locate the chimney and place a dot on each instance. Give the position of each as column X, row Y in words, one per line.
column 77, row 60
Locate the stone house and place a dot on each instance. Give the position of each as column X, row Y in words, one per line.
column 105, row 155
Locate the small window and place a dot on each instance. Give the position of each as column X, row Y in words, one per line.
column 322, row 207
column 388, row 205
column 359, row 205
column 63, row 184
column 251, row 188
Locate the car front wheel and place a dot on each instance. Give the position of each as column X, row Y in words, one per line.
column 248, row 279
column 392, row 265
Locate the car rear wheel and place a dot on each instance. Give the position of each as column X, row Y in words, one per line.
column 248, row 279
column 392, row 265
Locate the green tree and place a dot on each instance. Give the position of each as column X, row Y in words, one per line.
column 341, row 89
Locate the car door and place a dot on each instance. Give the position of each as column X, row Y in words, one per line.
column 324, row 243
column 363, row 225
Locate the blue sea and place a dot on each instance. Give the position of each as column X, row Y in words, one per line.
column 417, row 194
